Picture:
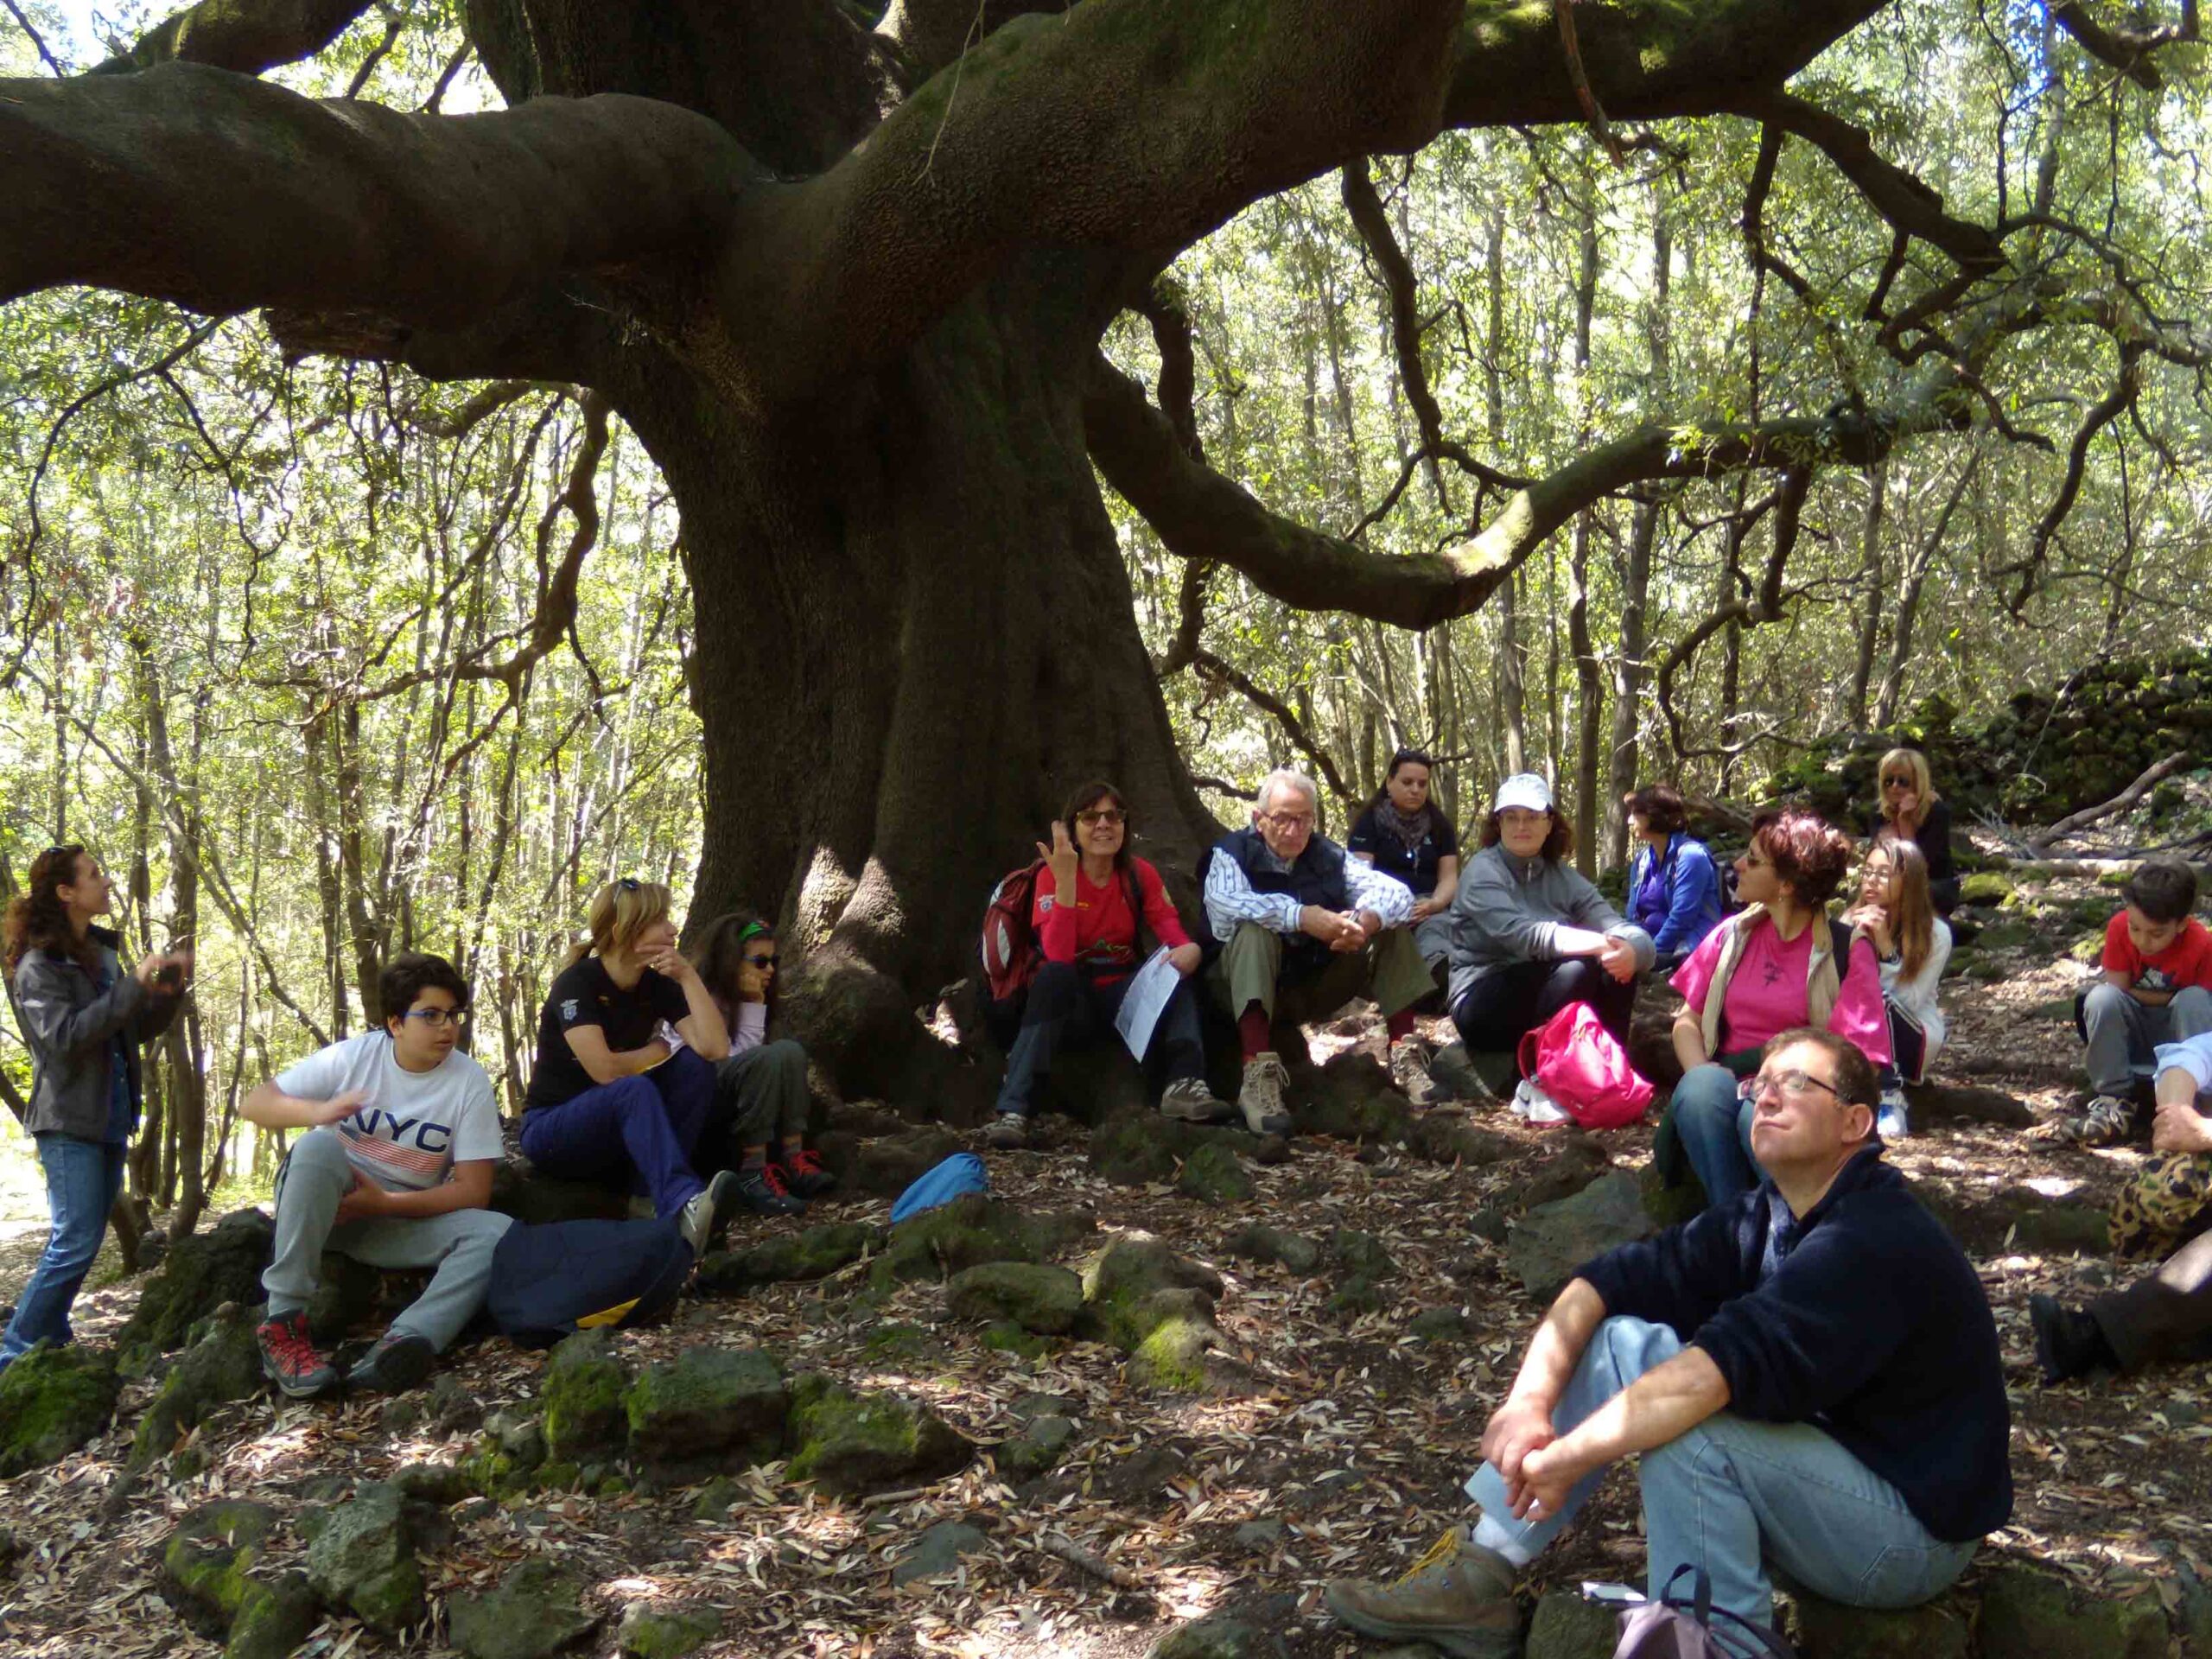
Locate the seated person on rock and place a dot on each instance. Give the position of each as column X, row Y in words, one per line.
column 1091, row 901
column 1531, row 935
column 1912, row 943
column 1302, row 928
column 395, row 1170
column 1771, row 967
column 1405, row 833
column 1674, row 891
column 1907, row 808
column 609, row 1099
column 2164, row 1214
column 1810, row 1375
column 761, row 1097
column 2157, row 988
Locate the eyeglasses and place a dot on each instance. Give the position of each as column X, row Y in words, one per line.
column 761, row 962
column 438, row 1019
column 1896, row 783
column 1289, row 820
column 1111, row 816
column 628, row 884
column 1796, row 1085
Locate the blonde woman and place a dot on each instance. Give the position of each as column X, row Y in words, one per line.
column 1907, row 808
column 1911, row 944
column 607, row 1096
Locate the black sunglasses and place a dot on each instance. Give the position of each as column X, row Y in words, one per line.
column 628, row 884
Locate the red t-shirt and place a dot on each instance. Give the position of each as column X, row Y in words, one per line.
column 1098, row 932
column 2186, row 962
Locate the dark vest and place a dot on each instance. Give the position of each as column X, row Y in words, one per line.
column 1317, row 878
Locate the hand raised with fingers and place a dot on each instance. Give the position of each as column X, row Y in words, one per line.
column 1061, row 859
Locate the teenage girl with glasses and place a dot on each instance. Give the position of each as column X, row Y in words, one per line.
column 760, row 1090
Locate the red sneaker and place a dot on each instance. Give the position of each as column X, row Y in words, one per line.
column 289, row 1357
column 804, row 1175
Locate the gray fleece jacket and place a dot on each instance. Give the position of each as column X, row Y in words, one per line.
column 1510, row 910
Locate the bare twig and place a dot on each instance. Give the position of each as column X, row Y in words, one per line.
column 37, row 41
column 2044, row 840
column 1066, row 1549
column 1584, row 94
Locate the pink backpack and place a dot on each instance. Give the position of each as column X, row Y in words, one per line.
column 1573, row 1059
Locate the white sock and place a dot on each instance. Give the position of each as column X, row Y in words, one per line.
column 1494, row 1535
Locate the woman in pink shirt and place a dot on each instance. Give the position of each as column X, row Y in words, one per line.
column 1093, row 898
column 1774, row 966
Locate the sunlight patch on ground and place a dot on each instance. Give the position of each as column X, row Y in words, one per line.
column 2051, row 1187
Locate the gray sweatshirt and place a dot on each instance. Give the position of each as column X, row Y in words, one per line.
column 1510, row 910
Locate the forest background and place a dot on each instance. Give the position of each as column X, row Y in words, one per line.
column 330, row 661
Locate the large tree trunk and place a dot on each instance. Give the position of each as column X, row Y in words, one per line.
column 915, row 637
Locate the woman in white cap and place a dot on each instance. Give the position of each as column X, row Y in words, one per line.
column 1531, row 935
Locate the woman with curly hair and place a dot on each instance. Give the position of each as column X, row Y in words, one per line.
column 84, row 1020
column 1778, row 963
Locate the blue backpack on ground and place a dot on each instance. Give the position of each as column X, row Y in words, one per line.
column 961, row 1173
column 559, row 1277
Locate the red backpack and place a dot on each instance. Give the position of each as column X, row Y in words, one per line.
column 1011, row 955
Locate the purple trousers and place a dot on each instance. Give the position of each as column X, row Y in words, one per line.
column 645, row 1127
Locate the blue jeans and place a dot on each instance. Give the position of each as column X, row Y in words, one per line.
column 1731, row 1493
column 643, row 1128
column 82, row 1179
column 1715, row 1128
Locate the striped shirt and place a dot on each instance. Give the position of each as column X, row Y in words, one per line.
column 1231, row 897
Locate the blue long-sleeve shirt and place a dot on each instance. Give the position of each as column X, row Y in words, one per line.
column 1676, row 899
column 1863, row 1318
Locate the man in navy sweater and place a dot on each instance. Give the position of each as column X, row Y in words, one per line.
column 1811, row 1375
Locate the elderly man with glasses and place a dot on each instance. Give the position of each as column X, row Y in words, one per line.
column 1810, row 1375
column 1295, row 928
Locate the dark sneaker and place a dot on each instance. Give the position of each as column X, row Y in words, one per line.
column 396, row 1364
column 2109, row 1122
column 290, row 1358
column 1190, row 1101
column 2069, row 1342
column 1459, row 1597
column 804, row 1176
column 1007, row 1131
column 762, row 1192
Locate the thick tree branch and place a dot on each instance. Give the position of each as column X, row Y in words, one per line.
column 45, row 56
column 222, row 193
column 247, row 36
column 2128, row 50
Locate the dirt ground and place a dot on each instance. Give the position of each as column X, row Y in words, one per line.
column 1355, row 1443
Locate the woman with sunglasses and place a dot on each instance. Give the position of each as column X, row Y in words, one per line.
column 1777, row 964
column 1907, row 808
column 1092, row 898
column 1405, row 833
column 84, row 1020
column 607, row 1093
column 760, row 1090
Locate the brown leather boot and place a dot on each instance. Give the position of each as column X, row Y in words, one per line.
column 1459, row 1597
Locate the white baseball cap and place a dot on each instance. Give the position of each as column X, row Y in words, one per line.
column 1523, row 789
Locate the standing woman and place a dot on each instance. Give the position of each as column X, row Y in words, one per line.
column 1912, row 943
column 1404, row 833
column 608, row 1097
column 760, row 1088
column 1674, row 892
column 83, row 1019
column 1907, row 808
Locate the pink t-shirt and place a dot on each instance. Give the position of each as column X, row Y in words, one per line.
column 1766, row 994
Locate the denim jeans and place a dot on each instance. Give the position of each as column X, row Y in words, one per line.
column 1732, row 1494
column 82, row 1179
column 642, row 1129
column 1715, row 1128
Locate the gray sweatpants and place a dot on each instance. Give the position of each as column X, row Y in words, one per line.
column 761, row 1094
column 316, row 1175
column 2122, row 1033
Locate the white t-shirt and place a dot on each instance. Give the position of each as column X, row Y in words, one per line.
column 415, row 1125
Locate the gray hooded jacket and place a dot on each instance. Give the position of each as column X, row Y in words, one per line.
column 71, row 1025
column 1510, row 910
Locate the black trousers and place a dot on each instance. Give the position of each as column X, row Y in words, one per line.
column 1064, row 1006
column 1506, row 1003
column 2166, row 1316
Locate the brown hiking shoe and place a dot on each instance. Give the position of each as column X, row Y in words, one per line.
column 1260, row 1098
column 1458, row 1597
column 2109, row 1122
column 1409, row 1058
column 1190, row 1101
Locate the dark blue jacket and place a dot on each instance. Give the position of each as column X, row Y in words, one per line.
column 1675, row 900
column 1864, row 1319
column 1316, row 877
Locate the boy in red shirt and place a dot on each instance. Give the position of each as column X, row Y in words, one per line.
column 2157, row 988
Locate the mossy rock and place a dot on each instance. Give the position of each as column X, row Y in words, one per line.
column 1351, row 1097
column 582, row 1394
column 1120, row 1285
column 54, row 1401
column 1212, row 1174
column 658, row 1630
column 2031, row 1615
column 1174, row 1354
column 1005, row 1336
column 1362, row 1254
column 1564, row 1626
column 1032, row 1296
column 346, row 1293
column 273, row 1618
column 1449, row 1135
column 1985, row 887
column 222, row 1364
column 361, row 1557
column 1218, row 1636
column 1041, row 1444
column 1828, row 1629
column 849, row 1445
column 1255, row 1242
column 536, row 1610
column 1142, row 1149
column 717, row 1499
column 1359, row 1294
column 207, row 1562
column 706, row 1410
column 198, row 1276
column 972, row 1229
column 1440, row 1325
column 810, row 1254
column 897, row 1342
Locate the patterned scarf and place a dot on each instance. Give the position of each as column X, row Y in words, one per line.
column 1409, row 830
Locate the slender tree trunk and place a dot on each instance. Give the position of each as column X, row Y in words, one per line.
column 1589, row 675
column 1512, row 693
column 1629, row 666
column 1876, row 594
column 328, row 888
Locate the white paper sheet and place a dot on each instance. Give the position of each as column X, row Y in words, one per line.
column 1149, row 989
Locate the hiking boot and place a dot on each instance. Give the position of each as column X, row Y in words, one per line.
column 1892, row 1122
column 2069, row 1342
column 762, row 1192
column 289, row 1359
column 2109, row 1122
column 1459, row 1597
column 1260, row 1098
column 706, row 1213
column 1007, row 1131
column 1189, row 1100
column 397, row 1362
column 1409, row 1058
column 804, row 1175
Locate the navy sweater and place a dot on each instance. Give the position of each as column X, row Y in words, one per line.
column 1864, row 1319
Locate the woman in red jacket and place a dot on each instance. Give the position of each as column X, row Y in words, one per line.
column 1091, row 948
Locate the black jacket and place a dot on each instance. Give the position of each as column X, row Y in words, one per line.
column 71, row 1026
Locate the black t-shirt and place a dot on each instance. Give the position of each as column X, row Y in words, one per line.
column 584, row 995
column 1415, row 866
